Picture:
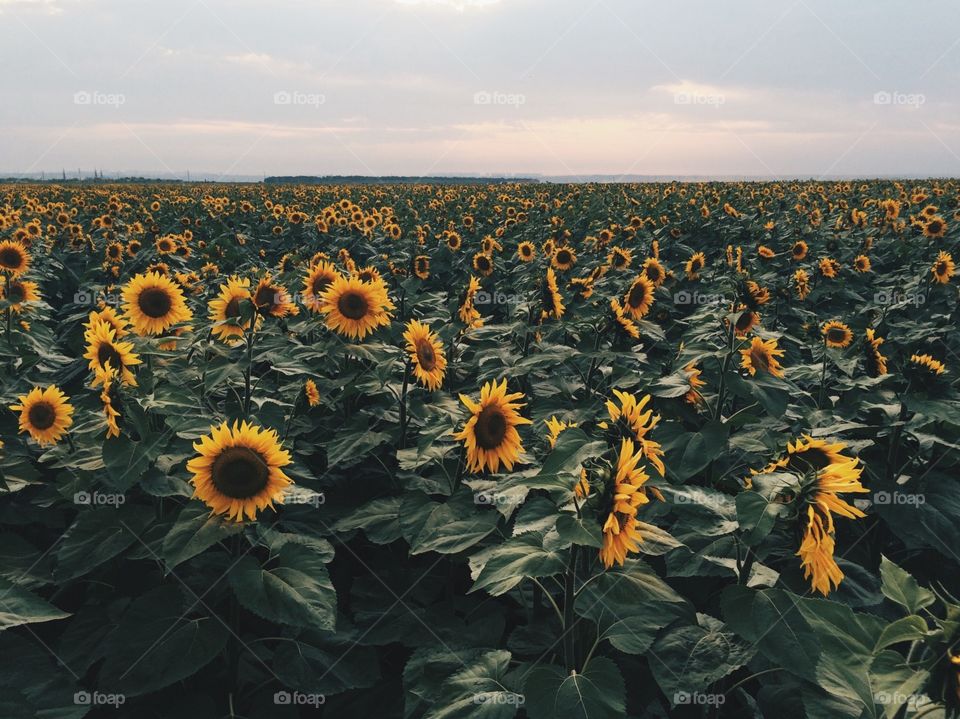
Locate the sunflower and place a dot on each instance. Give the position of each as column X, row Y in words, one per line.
column 153, row 303
column 311, row 392
column 426, row 355
column 45, row 414
column 862, row 263
column 550, row 298
column 653, row 271
column 829, row 267
column 226, row 310
column 238, row 472
column 421, row 266
column 272, row 299
column 18, row 293
column 103, row 349
column 935, row 227
column 746, row 321
column 468, row 312
column 624, row 323
column 490, row 435
column 926, row 361
column 762, row 355
column 619, row 258
column 693, row 395
column 755, row 295
column 483, row 264
column 876, row 362
column 765, row 252
column 453, row 241
column 555, row 427
column 695, row 265
column 320, row 275
column 111, row 414
column 14, row 258
column 563, row 258
column 368, row 274
column 355, row 308
column 109, row 315
column 620, row 532
column 526, row 251
column 629, row 414
column 639, row 298
column 836, row 334
column 801, row 281
column 114, row 251
column 943, row 268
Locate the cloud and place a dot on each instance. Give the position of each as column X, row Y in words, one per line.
column 460, row 5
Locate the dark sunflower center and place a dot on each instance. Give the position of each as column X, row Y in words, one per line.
column 636, row 296
column 835, row 334
column 810, row 459
column 42, row 415
column 353, row 305
column 320, row 285
column 266, row 297
column 107, row 353
column 525, row 251
column 653, row 272
column 425, row 355
column 760, row 359
column 483, row 264
column 155, row 302
column 941, row 268
column 745, row 321
column 240, row 473
column 233, row 308
column 563, row 257
column 16, row 293
column 934, row 227
column 10, row 257
column 491, row 428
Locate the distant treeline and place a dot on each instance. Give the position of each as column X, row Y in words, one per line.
column 396, row 179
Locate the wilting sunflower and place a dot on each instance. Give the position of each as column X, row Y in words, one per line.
column 582, row 286
column 624, row 323
column 927, row 362
column 836, row 334
column 490, row 435
column 653, row 271
column 762, row 356
column 765, row 252
column 526, row 251
column 311, row 392
column 483, row 264
column 14, row 258
column 620, row 532
column 943, row 268
column 226, row 309
column 421, row 266
column 111, row 414
column 634, row 421
column 103, row 348
column 45, row 414
column 639, row 298
column 829, row 267
column 875, row 361
column 755, row 295
column 153, row 304
column 238, row 472
column 695, row 265
column 355, row 308
column 426, row 355
column 18, row 293
column 563, row 258
column 862, row 263
column 550, row 298
column 320, row 276
column 468, row 312
column 555, row 427
column 272, row 299
column 801, row 281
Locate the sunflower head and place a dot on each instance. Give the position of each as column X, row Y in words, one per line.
column 355, row 308
column 836, row 334
column 14, row 258
column 45, row 414
column 427, row 358
column 153, row 303
column 490, row 435
column 761, row 356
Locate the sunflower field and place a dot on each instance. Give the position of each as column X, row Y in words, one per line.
column 505, row 450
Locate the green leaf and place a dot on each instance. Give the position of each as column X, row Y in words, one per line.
column 517, row 558
column 480, row 689
column 98, row 535
column 597, row 693
column 900, row 587
column 298, row 592
column 126, row 460
column 445, row 527
column 378, row 520
column 194, row 531
column 905, row 629
column 20, row 606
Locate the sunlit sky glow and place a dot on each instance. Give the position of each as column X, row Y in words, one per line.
column 233, row 88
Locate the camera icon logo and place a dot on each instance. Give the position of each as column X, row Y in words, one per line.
column 282, row 97
column 282, row 698
column 82, row 498
column 82, row 698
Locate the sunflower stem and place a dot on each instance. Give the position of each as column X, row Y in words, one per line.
column 569, row 645
column 823, row 374
column 403, row 405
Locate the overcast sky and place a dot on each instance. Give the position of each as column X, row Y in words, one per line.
column 414, row 87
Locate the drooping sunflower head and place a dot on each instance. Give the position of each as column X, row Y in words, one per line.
column 227, row 308
column 624, row 324
column 829, row 267
column 876, row 363
column 620, row 532
column 45, row 414
column 355, row 308
column 311, row 392
column 154, row 303
column 695, row 265
column 801, row 281
column 14, row 258
column 639, row 298
column 550, row 298
column 929, row 364
column 836, row 334
column 555, row 427
column 320, row 276
column 426, row 355
column 104, row 349
column 619, row 258
column 761, row 356
column 862, row 263
column 630, row 417
column 490, row 435
column 746, row 321
column 799, row 250
column 238, row 471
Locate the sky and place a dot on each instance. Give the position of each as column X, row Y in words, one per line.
column 235, row 88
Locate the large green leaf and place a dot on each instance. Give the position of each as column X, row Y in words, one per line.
column 596, row 693
column 21, row 606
